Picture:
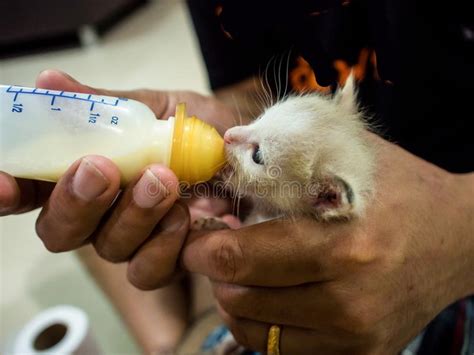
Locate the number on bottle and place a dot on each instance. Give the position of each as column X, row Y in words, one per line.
column 93, row 117
column 17, row 108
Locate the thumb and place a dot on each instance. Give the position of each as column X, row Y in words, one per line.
column 57, row 80
column 158, row 101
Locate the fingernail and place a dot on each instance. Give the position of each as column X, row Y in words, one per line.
column 89, row 183
column 69, row 77
column 149, row 191
column 66, row 75
column 174, row 219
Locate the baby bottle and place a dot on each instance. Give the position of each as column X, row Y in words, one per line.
column 43, row 131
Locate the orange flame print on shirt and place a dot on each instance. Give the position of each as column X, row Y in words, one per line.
column 303, row 78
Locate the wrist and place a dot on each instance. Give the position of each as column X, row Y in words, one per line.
column 459, row 229
column 452, row 240
column 466, row 183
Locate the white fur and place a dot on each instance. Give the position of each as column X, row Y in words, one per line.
column 304, row 140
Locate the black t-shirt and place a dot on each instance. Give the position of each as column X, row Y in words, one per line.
column 413, row 61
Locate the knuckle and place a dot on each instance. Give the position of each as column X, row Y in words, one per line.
column 357, row 326
column 53, row 244
column 106, row 252
column 240, row 330
column 224, row 260
column 239, row 333
column 358, row 320
column 111, row 248
column 61, row 211
column 135, row 277
column 159, row 101
column 136, row 281
column 227, row 259
column 139, row 275
column 356, row 251
column 125, row 222
column 230, row 297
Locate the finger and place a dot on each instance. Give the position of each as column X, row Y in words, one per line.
column 10, row 194
column 217, row 208
column 155, row 263
column 22, row 195
column 158, row 101
column 293, row 340
column 232, row 221
column 276, row 305
column 275, row 253
column 201, row 207
column 140, row 207
column 77, row 203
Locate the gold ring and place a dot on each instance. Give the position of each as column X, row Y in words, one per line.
column 273, row 340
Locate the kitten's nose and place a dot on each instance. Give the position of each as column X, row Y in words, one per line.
column 228, row 138
column 235, row 135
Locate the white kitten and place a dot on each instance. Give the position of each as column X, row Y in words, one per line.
column 306, row 155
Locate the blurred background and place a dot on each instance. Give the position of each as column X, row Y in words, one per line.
column 124, row 45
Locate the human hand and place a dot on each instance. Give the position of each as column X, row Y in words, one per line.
column 363, row 287
column 147, row 229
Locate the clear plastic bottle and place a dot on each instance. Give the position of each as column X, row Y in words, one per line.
column 43, row 131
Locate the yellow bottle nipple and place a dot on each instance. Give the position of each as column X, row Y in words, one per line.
column 197, row 150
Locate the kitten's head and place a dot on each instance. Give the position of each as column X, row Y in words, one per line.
column 304, row 155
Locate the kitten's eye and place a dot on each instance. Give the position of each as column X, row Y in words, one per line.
column 257, row 155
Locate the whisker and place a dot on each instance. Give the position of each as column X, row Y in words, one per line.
column 234, row 203
column 268, row 83
column 239, row 197
column 278, row 79
column 275, row 78
column 234, row 197
column 238, row 207
column 287, row 74
column 228, row 180
column 259, row 94
column 234, row 120
column 250, row 109
column 238, row 111
column 264, row 91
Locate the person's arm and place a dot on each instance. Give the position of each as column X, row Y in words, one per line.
column 157, row 319
column 239, row 100
column 466, row 209
column 78, row 210
column 247, row 98
column 363, row 287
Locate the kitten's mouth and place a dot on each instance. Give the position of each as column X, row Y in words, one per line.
column 226, row 172
column 228, row 169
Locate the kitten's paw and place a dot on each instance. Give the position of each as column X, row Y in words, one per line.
column 209, row 223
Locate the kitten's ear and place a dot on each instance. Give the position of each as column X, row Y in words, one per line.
column 347, row 96
column 331, row 197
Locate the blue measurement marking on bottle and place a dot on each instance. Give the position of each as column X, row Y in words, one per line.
column 92, row 99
